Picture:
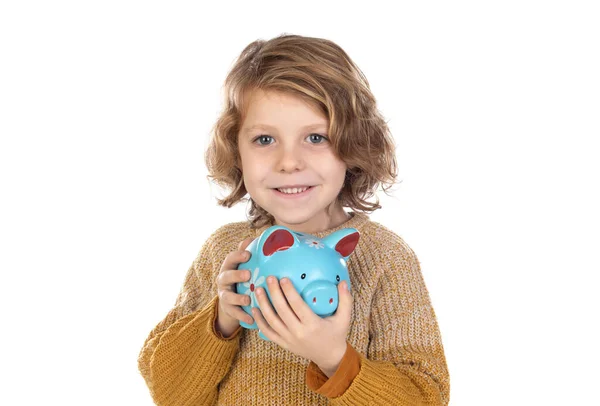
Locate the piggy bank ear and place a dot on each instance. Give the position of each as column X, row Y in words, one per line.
column 343, row 241
column 346, row 245
column 279, row 240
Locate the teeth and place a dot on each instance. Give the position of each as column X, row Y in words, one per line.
column 292, row 190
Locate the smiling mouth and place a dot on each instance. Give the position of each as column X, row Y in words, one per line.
column 292, row 195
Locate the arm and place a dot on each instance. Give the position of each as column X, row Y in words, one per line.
column 183, row 360
column 405, row 362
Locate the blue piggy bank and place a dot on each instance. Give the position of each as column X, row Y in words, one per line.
column 314, row 266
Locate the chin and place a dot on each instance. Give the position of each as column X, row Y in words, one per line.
column 295, row 216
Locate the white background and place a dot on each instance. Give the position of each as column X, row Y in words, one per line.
column 105, row 111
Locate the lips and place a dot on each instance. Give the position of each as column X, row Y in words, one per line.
column 293, row 187
column 293, row 195
column 298, row 188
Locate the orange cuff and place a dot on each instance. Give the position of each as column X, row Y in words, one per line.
column 340, row 381
column 214, row 320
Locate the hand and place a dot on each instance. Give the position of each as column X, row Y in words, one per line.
column 230, row 312
column 298, row 329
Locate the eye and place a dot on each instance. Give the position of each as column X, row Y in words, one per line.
column 318, row 137
column 337, row 278
column 261, row 137
column 321, row 137
column 303, row 276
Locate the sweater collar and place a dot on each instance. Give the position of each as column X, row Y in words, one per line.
column 357, row 220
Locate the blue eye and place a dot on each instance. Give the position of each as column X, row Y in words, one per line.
column 261, row 137
column 320, row 137
column 268, row 136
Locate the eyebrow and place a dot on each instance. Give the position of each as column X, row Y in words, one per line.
column 268, row 127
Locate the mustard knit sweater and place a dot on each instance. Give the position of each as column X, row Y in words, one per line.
column 394, row 352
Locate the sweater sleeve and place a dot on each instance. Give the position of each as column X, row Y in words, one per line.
column 405, row 362
column 184, row 359
column 340, row 381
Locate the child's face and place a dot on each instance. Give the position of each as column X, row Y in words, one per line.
column 285, row 153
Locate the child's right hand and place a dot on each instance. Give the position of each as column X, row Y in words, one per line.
column 230, row 313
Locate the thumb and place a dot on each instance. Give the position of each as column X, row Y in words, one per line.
column 245, row 243
column 344, row 310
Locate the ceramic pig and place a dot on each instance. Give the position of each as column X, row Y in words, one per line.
column 314, row 266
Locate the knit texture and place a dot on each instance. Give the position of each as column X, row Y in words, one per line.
column 394, row 350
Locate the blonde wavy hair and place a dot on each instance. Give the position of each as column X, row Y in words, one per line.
column 322, row 74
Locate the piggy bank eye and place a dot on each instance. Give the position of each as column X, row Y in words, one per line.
column 303, row 276
column 337, row 278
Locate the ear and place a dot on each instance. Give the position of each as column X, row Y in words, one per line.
column 343, row 241
column 346, row 245
column 278, row 240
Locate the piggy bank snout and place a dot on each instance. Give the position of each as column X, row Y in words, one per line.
column 322, row 297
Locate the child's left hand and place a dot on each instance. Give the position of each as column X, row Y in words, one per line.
column 298, row 329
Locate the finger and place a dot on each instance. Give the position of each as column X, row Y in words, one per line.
column 344, row 310
column 301, row 312
column 243, row 244
column 285, row 313
column 242, row 248
column 233, row 259
column 267, row 311
column 231, row 304
column 240, row 314
column 263, row 325
column 236, row 298
column 245, row 287
column 227, row 278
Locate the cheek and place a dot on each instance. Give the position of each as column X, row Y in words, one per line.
column 337, row 169
column 245, row 160
column 341, row 175
column 254, row 172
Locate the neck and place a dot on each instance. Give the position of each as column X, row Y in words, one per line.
column 323, row 222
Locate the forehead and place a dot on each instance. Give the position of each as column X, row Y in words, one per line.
column 270, row 110
column 267, row 127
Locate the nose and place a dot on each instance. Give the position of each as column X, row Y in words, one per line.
column 290, row 159
column 322, row 297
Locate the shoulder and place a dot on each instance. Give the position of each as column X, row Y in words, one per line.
column 387, row 244
column 227, row 237
column 386, row 256
column 400, row 275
